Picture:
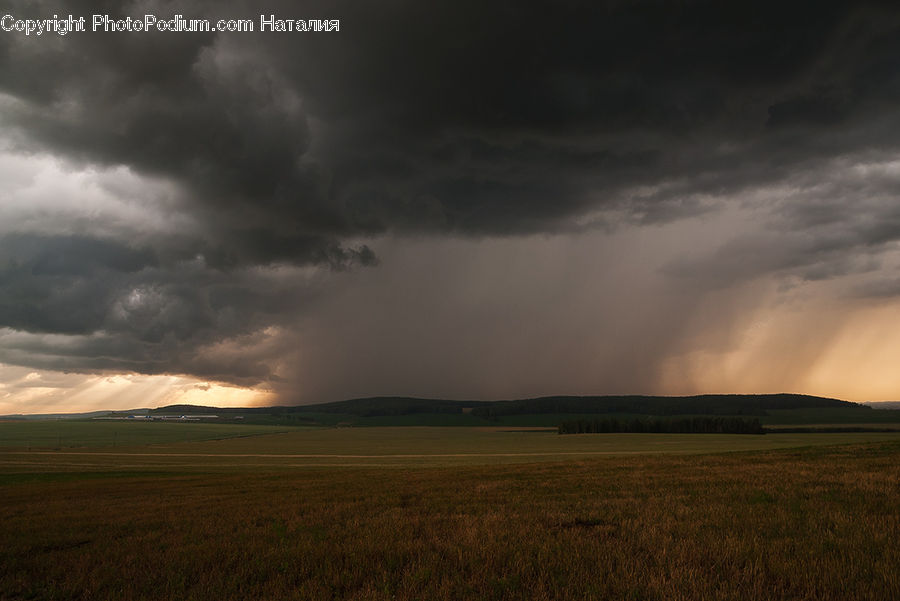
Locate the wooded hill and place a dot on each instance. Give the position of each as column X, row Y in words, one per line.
column 668, row 425
column 708, row 404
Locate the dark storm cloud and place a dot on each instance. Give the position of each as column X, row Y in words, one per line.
column 463, row 118
column 59, row 284
column 120, row 310
column 452, row 116
column 501, row 119
column 839, row 219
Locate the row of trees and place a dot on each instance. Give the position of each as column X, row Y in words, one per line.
column 677, row 425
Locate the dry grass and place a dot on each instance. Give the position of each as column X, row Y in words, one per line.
column 807, row 524
column 398, row 447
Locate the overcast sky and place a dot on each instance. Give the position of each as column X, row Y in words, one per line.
column 458, row 199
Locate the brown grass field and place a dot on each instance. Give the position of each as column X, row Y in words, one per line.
column 817, row 523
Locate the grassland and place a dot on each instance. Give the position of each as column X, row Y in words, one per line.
column 454, row 513
column 215, row 447
column 830, row 416
column 93, row 433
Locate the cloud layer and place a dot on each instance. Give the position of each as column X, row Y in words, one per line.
column 238, row 207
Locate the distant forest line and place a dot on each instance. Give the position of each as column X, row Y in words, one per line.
column 682, row 425
column 708, row 404
column 548, row 412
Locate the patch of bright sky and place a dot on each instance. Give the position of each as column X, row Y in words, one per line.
column 25, row 390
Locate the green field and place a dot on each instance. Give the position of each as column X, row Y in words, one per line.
column 94, row 433
column 834, row 416
column 197, row 446
column 445, row 513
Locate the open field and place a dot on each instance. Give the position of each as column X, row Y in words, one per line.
column 455, row 513
column 817, row 523
column 90, row 433
column 182, row 446
column 830, row 416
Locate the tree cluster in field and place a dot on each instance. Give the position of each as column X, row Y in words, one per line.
column 683, row 425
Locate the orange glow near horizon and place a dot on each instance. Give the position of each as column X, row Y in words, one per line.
column 31, row 391
column 823, row 351
column 861, row 363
